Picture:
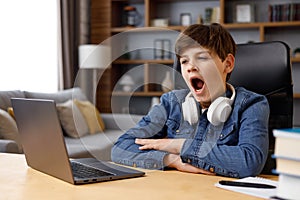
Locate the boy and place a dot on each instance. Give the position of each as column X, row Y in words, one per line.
column 212, row 128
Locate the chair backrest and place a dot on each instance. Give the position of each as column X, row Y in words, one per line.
column 265, row 68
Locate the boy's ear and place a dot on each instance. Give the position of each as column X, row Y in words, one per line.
column 229, row 63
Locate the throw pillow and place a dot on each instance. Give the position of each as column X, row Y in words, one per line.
column 9, row 129
column 71, row 119
column 11, row 112
column 91, row 115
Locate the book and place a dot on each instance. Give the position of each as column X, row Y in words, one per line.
column 287, row 165
column 208, row 15
column 288, row 186
column 215, row 17
column 284, row 12
column 287, row 142
column 297, row 12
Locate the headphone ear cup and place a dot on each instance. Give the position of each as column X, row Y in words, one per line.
column 219, row 111
column 190, row 110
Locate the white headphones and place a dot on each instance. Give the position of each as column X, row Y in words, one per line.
column 218, row 112
column 190, row 109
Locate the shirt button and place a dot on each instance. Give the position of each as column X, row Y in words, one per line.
column 177, row 131
column 221, row 136
column 211, row 169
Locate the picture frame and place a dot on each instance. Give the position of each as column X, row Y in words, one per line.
column 244, row 13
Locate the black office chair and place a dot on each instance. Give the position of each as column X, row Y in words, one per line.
column 265, row 68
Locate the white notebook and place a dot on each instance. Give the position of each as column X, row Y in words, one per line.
column 257, row 192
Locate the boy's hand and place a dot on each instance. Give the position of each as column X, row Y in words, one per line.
column 169, row 145
column 174, row 161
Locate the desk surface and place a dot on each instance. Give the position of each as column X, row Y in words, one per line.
column 18, row 181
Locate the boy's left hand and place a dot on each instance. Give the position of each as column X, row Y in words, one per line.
column 169, row 145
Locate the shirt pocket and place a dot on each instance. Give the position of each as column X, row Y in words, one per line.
column 229, row 135
column 179, row 130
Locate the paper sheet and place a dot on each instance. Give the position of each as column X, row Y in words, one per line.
column 257, row 192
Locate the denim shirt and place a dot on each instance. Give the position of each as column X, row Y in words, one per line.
column 236, row 148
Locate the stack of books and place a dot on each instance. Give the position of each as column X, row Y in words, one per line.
column 284, row 12
column 287, row 155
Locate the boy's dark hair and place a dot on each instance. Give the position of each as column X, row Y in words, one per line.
column 212, row 37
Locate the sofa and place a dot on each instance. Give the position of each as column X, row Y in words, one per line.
column 84, row 141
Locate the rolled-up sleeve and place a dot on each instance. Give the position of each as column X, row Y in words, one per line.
column 153, row 125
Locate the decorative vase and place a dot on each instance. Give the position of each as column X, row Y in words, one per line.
column 167, row 83
column 127, row 83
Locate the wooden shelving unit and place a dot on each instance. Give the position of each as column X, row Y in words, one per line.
column 120, row 61
column 152, row 9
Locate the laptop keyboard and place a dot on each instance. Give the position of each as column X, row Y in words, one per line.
column 83, row 171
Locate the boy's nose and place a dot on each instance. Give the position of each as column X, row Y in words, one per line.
column 192, row 67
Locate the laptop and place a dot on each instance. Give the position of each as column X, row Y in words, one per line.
column 45, row 149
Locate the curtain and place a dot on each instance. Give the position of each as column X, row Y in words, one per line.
column 73, row 30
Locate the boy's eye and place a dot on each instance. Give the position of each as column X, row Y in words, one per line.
column 183, row 62
column 202, row 57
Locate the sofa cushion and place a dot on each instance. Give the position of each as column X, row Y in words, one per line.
column 91, row 115
column 119, row 121
column 71, row 119
column 98, row 145
column 9, row 146
column 5, row 97
column 60, row 96
column 8, row 128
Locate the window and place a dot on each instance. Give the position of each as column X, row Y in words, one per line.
column 28, row 45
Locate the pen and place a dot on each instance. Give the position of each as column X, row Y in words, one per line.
column 246, row 184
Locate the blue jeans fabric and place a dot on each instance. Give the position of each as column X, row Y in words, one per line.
column 237, row 148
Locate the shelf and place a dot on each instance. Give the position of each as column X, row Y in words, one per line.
column 295, row 60
column 143, row 94
column 297, row 95
column 242, row 25
column 226, row 25
column 128, row 62
column 150, row 94
column 261, row 24
column 281, row 24
column 168, row 62
column 131, row 1
column 146, row 29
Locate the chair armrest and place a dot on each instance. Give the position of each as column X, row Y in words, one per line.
column 120, row 121
column 8, row 146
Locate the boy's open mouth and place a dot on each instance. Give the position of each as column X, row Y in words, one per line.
column 197, row 84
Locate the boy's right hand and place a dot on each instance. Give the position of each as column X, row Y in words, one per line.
column 174, row 161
